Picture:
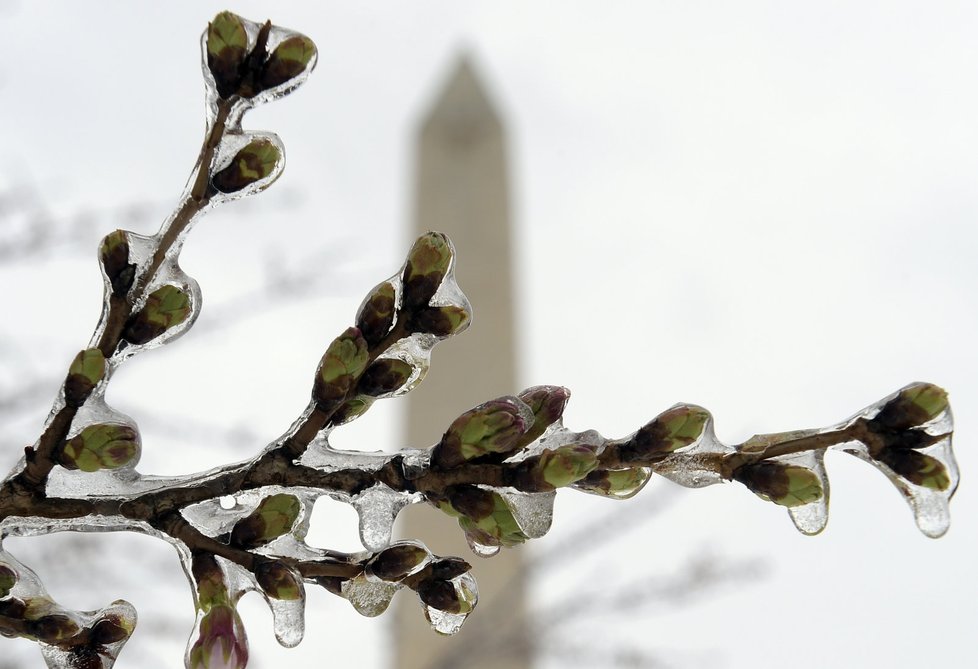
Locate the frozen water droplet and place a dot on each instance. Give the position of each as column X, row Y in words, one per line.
column 534, row 512
column 369, row 598
column 481, row 549
column 377, row 508
column 811, row 518
column 448, row 623
column 227, row 502
column 288, row 620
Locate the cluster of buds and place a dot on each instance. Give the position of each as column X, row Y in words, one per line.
column 354, row 371
column 221, row 639
column 898, row 434
column 438, row 581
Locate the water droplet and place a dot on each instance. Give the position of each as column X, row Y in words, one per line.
column 377, row 508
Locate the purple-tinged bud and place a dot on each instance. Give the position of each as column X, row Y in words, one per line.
column 384, row 377
column 376, row 315
column 278, row 581
column 221, row 642
column 86, row 370
column 101, row 446
column 341, row 366
column 566, row 464
column 427, row 264
column 394, row 563
column 547, row 404
column 493, row 427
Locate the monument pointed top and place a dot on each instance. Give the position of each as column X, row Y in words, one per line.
column 462, row 110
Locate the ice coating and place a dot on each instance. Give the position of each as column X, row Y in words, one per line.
column 481, row 550
column 446, row 622
column 377, row 508
column 534, row 512
column 369, row 597
column 697, row 469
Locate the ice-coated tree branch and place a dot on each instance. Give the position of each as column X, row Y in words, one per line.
column 496, row 468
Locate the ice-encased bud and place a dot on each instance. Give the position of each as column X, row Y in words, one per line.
column 427, row 264
column 556, row 468
column 399, row 560
column 221, row 640
column 101, row 446
column 85, row 372
column 446, row 604
column 493, row 427
column 484, row 516
column 671, row 430
column 341, row 366
column 441, row 321
column 287, row 61
column 227, row 48
column 278, row 581
column 114, row 256
column 274, row 516
column 913, row 406
column 376, row 315
column 547, row 404
column 786, row 485
column 166, row 307
column 8, row 577
column 916, row 467
column 255, row 162
column 384, row 376
column 615, row 483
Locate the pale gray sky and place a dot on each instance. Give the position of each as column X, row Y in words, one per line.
column 765, row 208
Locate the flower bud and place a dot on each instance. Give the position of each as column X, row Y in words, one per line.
column 786, row 485
column 547, row 404
column 441, row 321
column 341, row 366
column 396, row 562
column 278, row 581
column 101, row 446
column 221, row 643
column 376, row 315
column 427, row 263
column 916, row 467
column 440, row 595
column 615, row 483
column 86, row 370
column 449, row 568
column 913, row 406
column 566, row 465
column 275, row 515
column 484, row 516
column 493, row 427
column 8, row 578
column 166, row 307
column 351, row 409
column 384, row 377
column 114, row 256
column 111, row 629
column 227, row 48
column 256, row 161
column 52, row 628
column 669, row 431
column 288, row 61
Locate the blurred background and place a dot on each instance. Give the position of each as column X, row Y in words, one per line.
column 764, row 208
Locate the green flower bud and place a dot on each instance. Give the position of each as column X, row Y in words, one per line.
column 547, row 404
column 101, row 446
column 227, row 48
column 351, row 409
column 278, row 581
column 275, row 515
column 566, row 465
column 394, row 563
column 384, row 377
column 211, row 589
column 8, row 578
column 786, row 485
column 913, row 406
column 615, row 483
column 917, row 468
column 441, row 321
column 669, row 431
column 85, row 372
column 256, row 161
column 289, row 60
column 484, row 516
column 376, row 315
column 493, row 427
column 114, row 256
column 427, row 263
column 166, row 307
column 341, row 366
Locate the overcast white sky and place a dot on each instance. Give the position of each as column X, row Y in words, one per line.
column 766, row 208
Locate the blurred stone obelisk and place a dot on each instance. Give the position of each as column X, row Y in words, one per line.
column 462, row 190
